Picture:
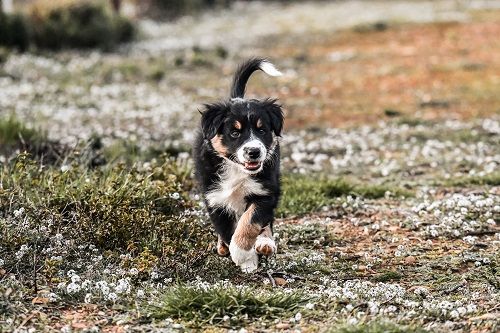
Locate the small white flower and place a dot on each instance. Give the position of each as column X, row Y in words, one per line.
column 309, row 306
column 1, row 262
column 73, row 288
column 65, row 168
column 66, row 329
column 112, row 297
column 134, row 271
column 88, row 298
column 52, row 297
column 19, row 212
column 298, row 316
column 123, row 286
column 140, row 293
column 175, row 196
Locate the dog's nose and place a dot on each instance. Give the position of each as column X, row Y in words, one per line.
column 252, row 153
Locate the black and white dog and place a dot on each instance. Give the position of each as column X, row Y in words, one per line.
column 237, row 162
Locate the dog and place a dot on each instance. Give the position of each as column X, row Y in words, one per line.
column 237, row 166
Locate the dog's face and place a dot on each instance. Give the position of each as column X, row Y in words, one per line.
column 243, row 131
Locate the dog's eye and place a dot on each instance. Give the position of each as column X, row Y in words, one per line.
column 235, row 134
column 261, row 130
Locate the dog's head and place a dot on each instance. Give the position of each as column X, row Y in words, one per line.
column 244, row 131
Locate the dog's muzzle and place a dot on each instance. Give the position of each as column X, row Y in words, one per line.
column 252, row 155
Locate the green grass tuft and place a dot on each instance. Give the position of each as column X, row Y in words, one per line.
column 12, row 131
column 376, row 327
column 210, row 305
column 388, row 276
column 493, row 179
column 307, row 194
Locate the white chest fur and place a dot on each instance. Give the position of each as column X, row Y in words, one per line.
column 232, row 188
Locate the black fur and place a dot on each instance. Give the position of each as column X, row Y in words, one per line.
column 243, row 73
column 218, row 119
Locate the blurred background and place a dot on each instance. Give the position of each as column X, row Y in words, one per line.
column 137, row 71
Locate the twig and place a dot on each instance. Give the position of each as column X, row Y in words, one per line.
column 25, row 321
column 292, row 276
column 273, row 283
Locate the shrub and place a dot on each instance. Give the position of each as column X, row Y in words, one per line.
column 14, row 31
column 116, row 208
column 77, row 24
column 172, row 8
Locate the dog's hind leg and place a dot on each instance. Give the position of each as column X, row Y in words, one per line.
column 222, row 248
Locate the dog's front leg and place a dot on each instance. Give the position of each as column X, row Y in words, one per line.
column 265, row 244
column 243, row 241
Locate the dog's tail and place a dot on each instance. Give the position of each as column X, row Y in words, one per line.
column 245, row 71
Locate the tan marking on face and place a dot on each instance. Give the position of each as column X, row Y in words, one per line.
column 246, row 232
column 218, row 145
column 265, row 249
column 237, row 125
column 259, row 123
column 222, row 248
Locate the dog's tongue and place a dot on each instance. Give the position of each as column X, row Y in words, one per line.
column 252, row 165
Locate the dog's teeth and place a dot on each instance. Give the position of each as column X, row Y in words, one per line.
column 269, row 69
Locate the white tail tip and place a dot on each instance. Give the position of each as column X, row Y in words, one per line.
column 269, row 69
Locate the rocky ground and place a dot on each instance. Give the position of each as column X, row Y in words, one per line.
column 391, row 205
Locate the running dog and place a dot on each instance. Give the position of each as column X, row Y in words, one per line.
column 237, row 165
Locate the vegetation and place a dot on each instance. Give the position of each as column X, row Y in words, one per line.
column 376, row 327
column 112, row 235
column 14, row 31
column 113, row 208
column 65, row 24
column 229, row 305
column 304, row 194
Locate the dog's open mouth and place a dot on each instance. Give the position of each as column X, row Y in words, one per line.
column 252, row 166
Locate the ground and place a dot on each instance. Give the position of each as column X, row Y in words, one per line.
column 390, row 213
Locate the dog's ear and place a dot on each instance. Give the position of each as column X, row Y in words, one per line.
column 212, row 119
column 275, row 113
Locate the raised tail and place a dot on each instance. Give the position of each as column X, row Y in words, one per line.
column 245, row 71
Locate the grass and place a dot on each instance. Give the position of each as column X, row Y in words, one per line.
column 115, row 208
column 212, row 305
column 306, row 194
column 12, row 132
column 16, row 136
column 376, row 327
column 492, row 179
column 388, row 276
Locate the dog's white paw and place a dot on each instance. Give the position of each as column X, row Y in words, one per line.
column 265, row 245
column 247, row 260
